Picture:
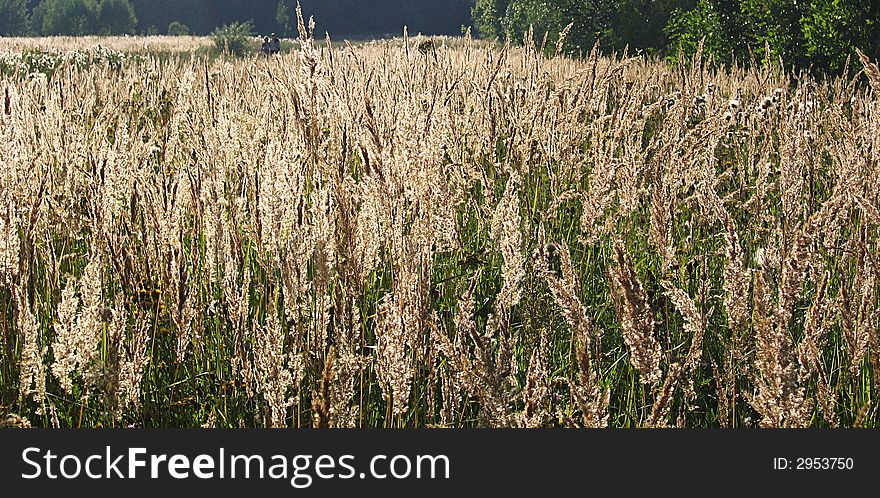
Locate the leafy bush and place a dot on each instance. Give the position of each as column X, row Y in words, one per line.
column 818, row 34
column 487, row 16
column 233, row 38
column 177, row 28
column 689, row 28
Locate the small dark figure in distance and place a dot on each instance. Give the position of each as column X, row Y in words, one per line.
column 265, row 48
column 274, row 45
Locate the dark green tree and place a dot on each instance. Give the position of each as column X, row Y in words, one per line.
column 13, row 17
column 67, row 17
column 116, row 17
column 591, row 20
column 702, row 24
column 489, row 17
column 776, row 24
column 736, row 31
column 641, row 24
column 833, row 29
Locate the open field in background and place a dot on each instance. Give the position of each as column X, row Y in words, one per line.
column 131, row 44
column 44, row 54
column 419, row 235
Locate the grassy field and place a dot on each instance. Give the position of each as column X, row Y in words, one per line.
column 129, row 44
column 426, row 234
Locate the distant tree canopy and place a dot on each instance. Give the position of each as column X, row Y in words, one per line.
column 615, row 23
column 115, row 17
column 340, row 18
column 13, row 17
column 83, row 17
column 803, row 33
column 67, row 17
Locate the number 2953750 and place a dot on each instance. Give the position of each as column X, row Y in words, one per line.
column 813, row 463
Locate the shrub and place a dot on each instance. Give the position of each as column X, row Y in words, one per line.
column 233, row 38
column 177, row 28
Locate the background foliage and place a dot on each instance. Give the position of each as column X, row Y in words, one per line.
column 820, row 34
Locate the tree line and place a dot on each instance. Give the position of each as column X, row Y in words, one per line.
column 818, row 34
column 341, row 18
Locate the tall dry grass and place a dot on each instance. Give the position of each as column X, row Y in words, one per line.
column 403, row 234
